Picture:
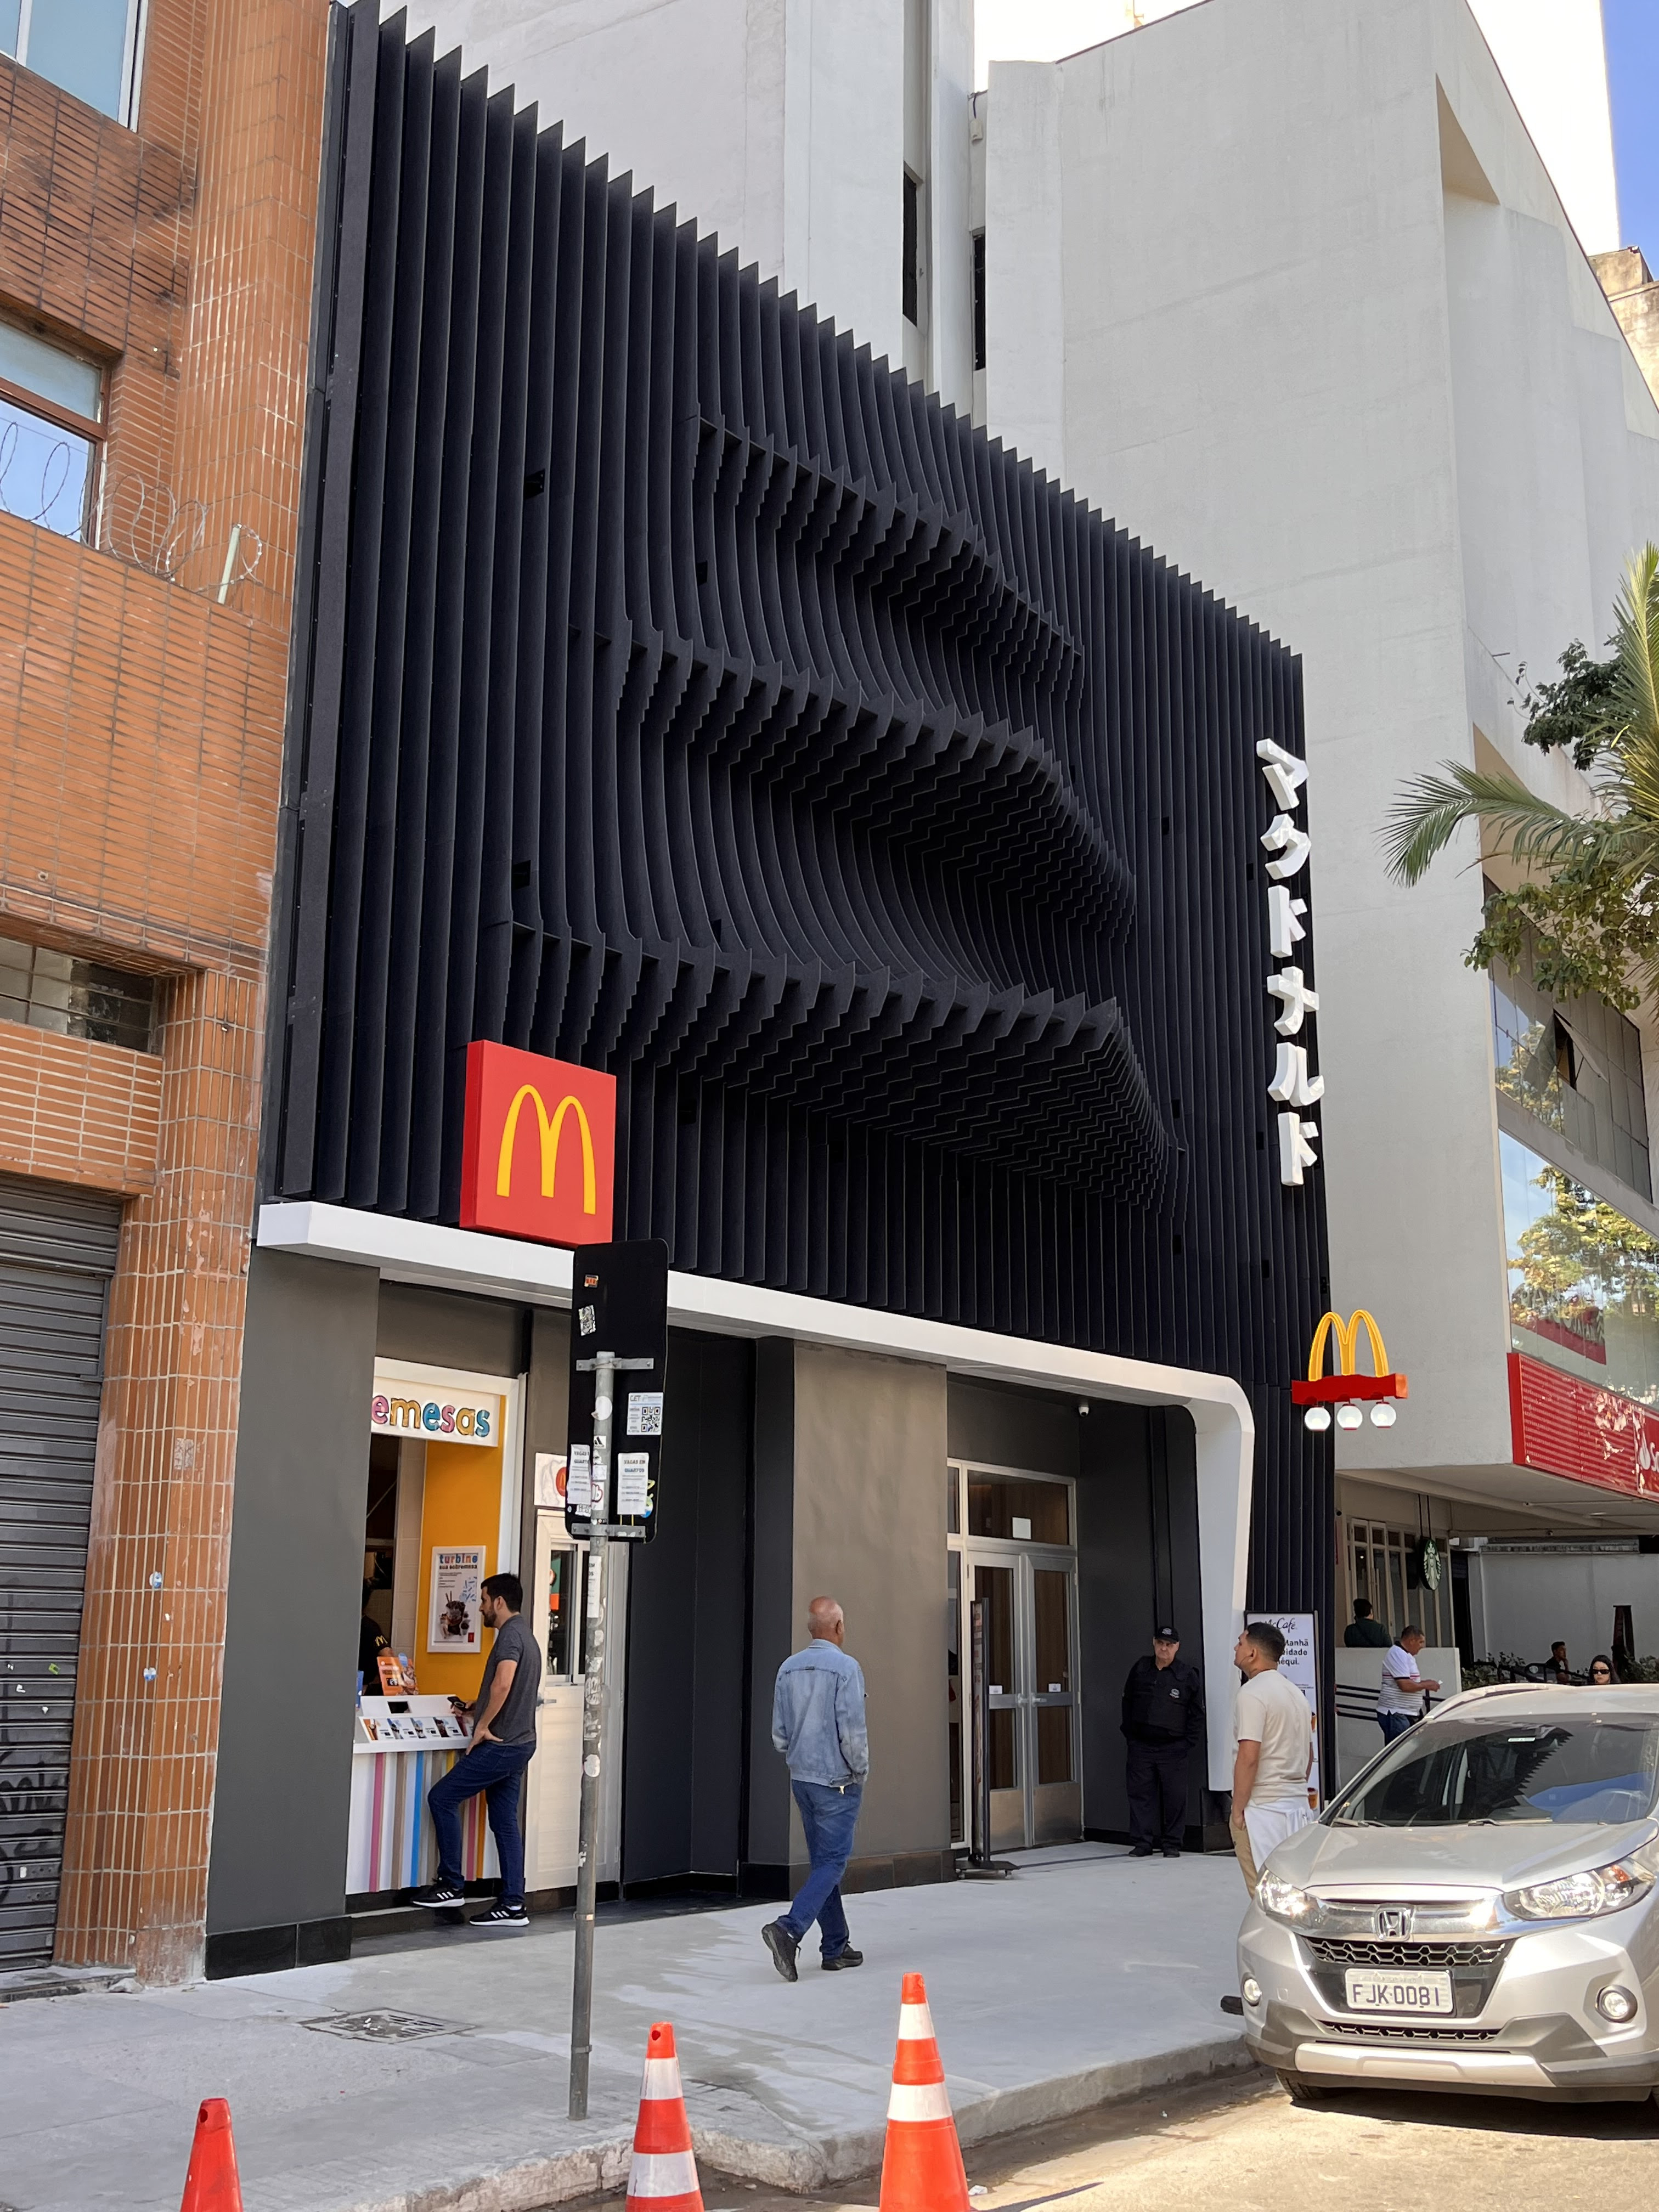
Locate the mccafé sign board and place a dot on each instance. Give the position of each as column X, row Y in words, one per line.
column 538, row 1147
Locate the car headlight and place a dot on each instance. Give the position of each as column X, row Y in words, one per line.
column 1582, row 1896
column 1284, row 1900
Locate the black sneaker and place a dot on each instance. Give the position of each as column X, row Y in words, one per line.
column 1172, row 1850
column 500, row 1915
column 783, row 1946
column 849, row 1957
column 1141, row 1851
column 438, row 1893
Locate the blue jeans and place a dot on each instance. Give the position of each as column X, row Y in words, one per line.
column 829, row 1816
column 1394, row 1724
column 497, row 1768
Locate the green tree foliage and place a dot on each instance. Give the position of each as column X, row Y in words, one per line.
column 1568, row 713
column 1590, row 895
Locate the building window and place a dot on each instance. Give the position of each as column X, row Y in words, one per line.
column 1383, row 1566
column 89, row 48
column 51, row 434
column 1583, row 1279
column 1577, row 1067
column 75, row 997
column 979, row 299
column 911, row 278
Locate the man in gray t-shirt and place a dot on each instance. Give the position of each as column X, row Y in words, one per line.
column 503, row 1743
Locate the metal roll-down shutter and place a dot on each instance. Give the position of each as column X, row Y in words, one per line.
column 57, row 1248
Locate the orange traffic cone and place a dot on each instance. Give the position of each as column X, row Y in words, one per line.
column 663, row 2175
column 211, row 2184
column 921, row 2168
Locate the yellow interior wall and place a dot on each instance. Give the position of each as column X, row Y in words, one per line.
column 462, row 1504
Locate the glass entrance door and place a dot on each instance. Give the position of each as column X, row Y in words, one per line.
column 1030, row 1674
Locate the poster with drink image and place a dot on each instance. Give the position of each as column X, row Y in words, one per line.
column 454, row 1622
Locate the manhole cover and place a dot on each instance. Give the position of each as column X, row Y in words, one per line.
column 382, row 2026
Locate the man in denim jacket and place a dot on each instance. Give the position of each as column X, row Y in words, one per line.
column 817, row 1724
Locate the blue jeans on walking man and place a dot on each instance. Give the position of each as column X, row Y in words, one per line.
column 1394, row 1724
column 497, row 1770
column 830, row 1817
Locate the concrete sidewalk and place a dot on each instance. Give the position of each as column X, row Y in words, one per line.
column 1088, row 1975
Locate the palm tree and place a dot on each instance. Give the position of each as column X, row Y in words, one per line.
column 1590, row 898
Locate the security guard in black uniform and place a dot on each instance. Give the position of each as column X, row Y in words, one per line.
column 1162, row 1719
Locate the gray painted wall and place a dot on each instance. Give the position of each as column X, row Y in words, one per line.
column 439, row 1328
column 1030, row 1429
column 869, row 1527
column 283, row 1790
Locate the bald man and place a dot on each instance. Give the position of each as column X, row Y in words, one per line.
column 817, row 1724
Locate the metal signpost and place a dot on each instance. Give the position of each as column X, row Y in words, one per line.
column 619, row 1307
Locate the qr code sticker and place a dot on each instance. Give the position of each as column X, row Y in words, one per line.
column 645, row 1412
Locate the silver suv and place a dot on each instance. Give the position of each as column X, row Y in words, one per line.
column 1478, row 1909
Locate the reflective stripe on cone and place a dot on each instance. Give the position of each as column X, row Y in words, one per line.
column 663, row 2173
column 921, row 2168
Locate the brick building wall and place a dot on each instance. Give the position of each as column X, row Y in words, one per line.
column 78, row 1112
column 140, row 748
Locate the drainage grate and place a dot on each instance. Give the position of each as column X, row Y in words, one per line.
column 382, row 2026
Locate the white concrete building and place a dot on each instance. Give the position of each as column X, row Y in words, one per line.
column 826, row 140
column 1287, row 284
column 1551, row 51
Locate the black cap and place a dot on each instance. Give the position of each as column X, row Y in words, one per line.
column 1166, row 1636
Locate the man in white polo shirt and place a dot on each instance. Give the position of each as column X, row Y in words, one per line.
column 1399, row 1700
column 1275, row 1758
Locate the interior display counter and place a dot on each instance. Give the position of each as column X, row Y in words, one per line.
column 400, row 1747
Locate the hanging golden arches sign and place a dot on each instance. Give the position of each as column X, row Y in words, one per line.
column 1347, row 1389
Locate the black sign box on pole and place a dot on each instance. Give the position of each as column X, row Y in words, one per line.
column 619, row 1305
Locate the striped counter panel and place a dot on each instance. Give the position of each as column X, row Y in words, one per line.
column 391, row 1844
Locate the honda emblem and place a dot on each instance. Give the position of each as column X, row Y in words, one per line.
column 1391, row 1920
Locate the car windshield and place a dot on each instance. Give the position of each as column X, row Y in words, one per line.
column 1458, row 1772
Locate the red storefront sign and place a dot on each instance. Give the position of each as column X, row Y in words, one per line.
column 538, row 1147
column 1562, row 1426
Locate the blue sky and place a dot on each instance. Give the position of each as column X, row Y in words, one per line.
column 1633, row 29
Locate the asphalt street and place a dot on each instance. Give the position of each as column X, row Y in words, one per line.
column 1249, row 2148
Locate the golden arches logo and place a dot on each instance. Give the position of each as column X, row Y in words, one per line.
column 550, row 1133
column 1347, row 1387
column 1346, row 1334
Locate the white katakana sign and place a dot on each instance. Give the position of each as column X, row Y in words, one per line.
column 1292, row 1089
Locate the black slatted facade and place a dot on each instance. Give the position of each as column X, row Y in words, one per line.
column 56, row 1255
column 681, row 691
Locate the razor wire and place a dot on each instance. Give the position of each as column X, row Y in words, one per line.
column 150, row 527
column 144, row 525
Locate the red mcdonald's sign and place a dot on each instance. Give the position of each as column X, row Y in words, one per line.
column 538, row 1147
